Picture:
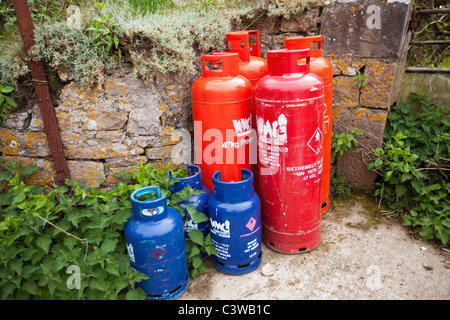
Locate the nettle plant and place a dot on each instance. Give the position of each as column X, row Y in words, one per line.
column 68, row 243
column 7, row 104
column 341, row 143
column 414, row 167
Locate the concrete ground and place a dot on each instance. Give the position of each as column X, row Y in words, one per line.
column 362, row 255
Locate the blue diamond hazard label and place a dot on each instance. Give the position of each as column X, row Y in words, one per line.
column 316, row 141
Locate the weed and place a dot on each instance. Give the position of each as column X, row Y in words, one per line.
column 414, row 165
column 341, row 143
column 7, row 104
column 44, row 232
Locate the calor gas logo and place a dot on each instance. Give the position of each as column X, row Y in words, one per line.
column 222, row 229
column 273, row 132
column 242, row 126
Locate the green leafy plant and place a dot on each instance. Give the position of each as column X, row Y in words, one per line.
column 198, row 244
column 211, row 4
column 7, row 18
column 339, row 189
column 57, row 45
column 150, row 175
column 414, row 167
column 360, row 80
column 341, row 143
column 7, row 104
column 45, row 234
column 105, row 31
column 149, row 6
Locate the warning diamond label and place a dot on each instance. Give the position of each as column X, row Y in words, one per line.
column 316, row 141
column 251, row 224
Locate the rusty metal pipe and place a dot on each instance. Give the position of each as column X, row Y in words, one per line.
column 40, row 85
column 427, row 70
column 433, row 11
column 430, row 42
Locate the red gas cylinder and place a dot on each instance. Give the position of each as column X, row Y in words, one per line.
column 223, row 137
column 289, row 115
column 324, row 69
column 251, row 66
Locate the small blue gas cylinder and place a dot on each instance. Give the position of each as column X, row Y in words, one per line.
column 155, row 243
column 235, row 216
column 199, row 201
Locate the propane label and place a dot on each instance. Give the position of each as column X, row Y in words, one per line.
column 272, row 137
column 242, row 128
column 309, row 171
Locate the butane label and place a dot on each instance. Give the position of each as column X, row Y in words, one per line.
column 221, row 229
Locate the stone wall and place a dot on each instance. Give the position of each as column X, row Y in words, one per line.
column 104, row 129
column 434, row 86
column 114, row 126
column 370, row 37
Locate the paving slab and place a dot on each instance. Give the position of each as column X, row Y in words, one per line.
column 363, row 255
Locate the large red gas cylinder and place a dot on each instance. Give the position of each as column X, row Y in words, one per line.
column 324, row 69
column 289, row 113
column 248, row 45
column 223, row 137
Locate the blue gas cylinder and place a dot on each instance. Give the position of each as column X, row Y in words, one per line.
column 155, row 243
column 199, row 201
column 235, row 215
